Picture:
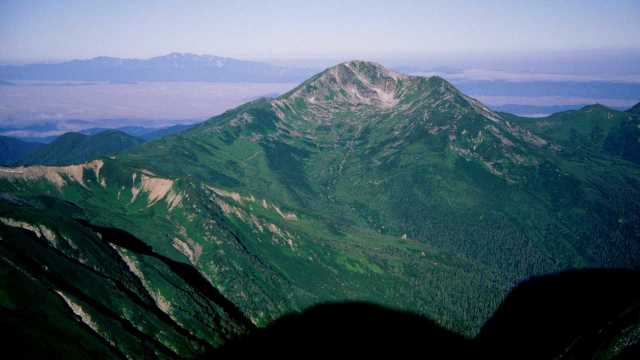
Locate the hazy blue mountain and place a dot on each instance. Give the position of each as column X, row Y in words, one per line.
column 171, row 67
column 42, row 132
column 93, row 131
column 36, row 139
column 586, row 89
column 74, row 148
column 38, row 127
column 535, row 110
column 13, row 150
column 159, row 133
column 141, row 132
column 635, row 109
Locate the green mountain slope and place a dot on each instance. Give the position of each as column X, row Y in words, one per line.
column 403, row 155
column 56, row 268
column 75, row 148
column 592, row 130
column 363, row 184
column 13, row 150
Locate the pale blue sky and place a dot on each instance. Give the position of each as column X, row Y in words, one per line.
column 57, row 30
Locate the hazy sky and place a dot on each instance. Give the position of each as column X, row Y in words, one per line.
column 57, row 30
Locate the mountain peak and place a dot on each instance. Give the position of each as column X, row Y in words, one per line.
column 351, row 83
column 363, row 86
column 367, row 70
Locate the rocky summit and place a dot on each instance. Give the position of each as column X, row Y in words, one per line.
column 361, row 184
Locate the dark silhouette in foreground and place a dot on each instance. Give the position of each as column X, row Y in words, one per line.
column 582, row 314
column 358, row 328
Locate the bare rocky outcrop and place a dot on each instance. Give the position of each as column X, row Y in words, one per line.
column 57, row 175
column 40, row 230
column 156, row 188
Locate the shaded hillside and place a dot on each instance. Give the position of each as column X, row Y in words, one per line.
column 72, row 289
column 75, row 148
column 635, row 110
column 14, row 150
column 588, row 314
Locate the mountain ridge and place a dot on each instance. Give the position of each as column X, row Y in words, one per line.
column 170, row 67
column 13, row 150
column 75, row 147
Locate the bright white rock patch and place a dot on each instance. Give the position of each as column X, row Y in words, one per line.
column 157, row 189
column 57, row 175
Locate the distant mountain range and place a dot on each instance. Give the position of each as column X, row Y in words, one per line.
column 171, row 67
column 538, row 110
column 141, row 132
column 561, row 89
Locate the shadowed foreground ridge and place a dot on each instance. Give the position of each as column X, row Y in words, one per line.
column 585, row 314
column 593, row 313
column 71, row 289
column 356, row 327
